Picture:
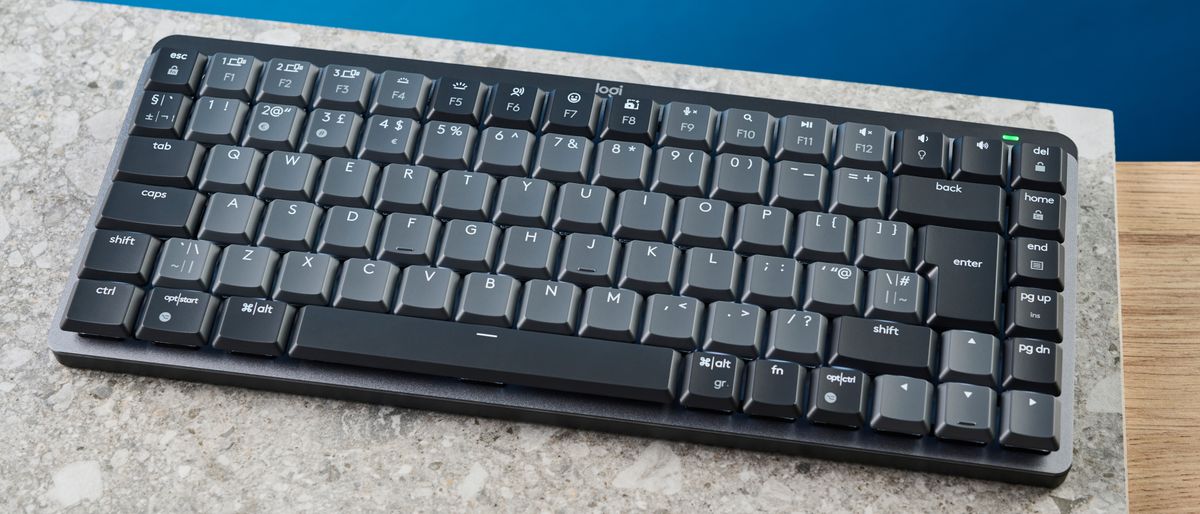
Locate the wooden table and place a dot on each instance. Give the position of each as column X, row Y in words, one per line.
column 1158, row 226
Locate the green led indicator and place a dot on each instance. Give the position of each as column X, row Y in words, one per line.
column 1010, row 137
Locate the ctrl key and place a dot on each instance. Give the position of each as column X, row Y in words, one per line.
column 101, row 308
column 839, row 397
column 177, row 317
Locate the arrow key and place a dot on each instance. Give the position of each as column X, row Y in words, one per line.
column 734, row 328
column 966, row 413
column 1029, row 421
column 902, row 405
column 970, row 357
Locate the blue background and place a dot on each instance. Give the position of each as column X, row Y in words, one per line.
column 1139, row 59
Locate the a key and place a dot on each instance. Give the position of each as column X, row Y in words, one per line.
column 673, row 322
column 406, row 189
column 838, row 397
column 712, row 381
column 468, row 245
column 774, row 389
column 427, row 292
column 1037, row 214
column 176, row 70
column 1034, row 312
column 687, row 125
column 164, row 162
column 409, row 239
column 858, row 193
column 896, row 296
column 610, row 313
column 650, row 267
column 252, row 326
column 712, row 275
column 642, row 215
column 922, row 153
column 288, row 176
column 902, row 405
column 388, row 139
column 177, row 317
column 883, row 348
column 290, row 226
column 161, row 115
column 734, row 328
column 245, row 271
column 488, row 300
column 515, row 106
column 884, row 244
column 230, row 76
column 330, row 133
column 349, row 232
column 549, row 307
column 739, row 179
column 464, row 195
column 922, row 201
column 1029, row 421
column 763, row 230
column 155, row 210
column 833, row 289
column 745, row 132
column 970, row 357
column 980, row 160
column 797, row 336
column 305, row 278
column 867, row 147
column 572, row 112
column 583, row 208
column 230, row 169
column 804, row 139
column 799, row 186
column 286, row 81
column 680, row 172
column 966, row 412
column 400, row 94
column 504, row 151
column 184, row 263
column 366, row 285
column 772, row 281
column 528, row 252
column 630, row 119
column 621, row 165
column 231, row 218
column 701, row 222
column 1033, row 365
column 103, row 308
column 446, row 145
column 216, row 121
column 524, row 201
column 120, row 255
column 589, row 260
column 1035, row 262
column 274, row 127
column 563, row 158
column 344, row 88
column 1039, row 167
column 823, row 237
column 457, row 100
column 349, row 182
column 963, row 271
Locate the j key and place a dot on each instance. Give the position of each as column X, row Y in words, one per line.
column 216, row 121
column 120, row 255
column 740, row 179
column 824, row 237
column 712, row 275
column 409, row 239
column 305, row 278
column 290, row 225
column 343, row 88
column 515, row 106
column 446, row 145
column 405, row 189
column 400, row 94
column 970, row 357
column 687, row 125
column 504, row 151
column 231, row 218
column 488, row 300
column 274, row 127
column 176, row 71
column 457, row 100
column 621, row 165
column 366, row 285
column 287, row 81
column 583, row 208
column 1035, row 262
column 230, row 169
column 920, row 153
column 549, row 307
column 465, row 195
column 797, row 336
column 161, row 115
column 524, row 201
column 630, row 119
column 979, row 160
column 427, row 292
column 349, row 182
column 389, row 139
column 252, row 326
column 1029, row 421
column 468, row 245
column 563, row 158
column 330, row 133
column 528, row 252
column 245, row 271
column 895, row 295
column 712, row 381
column 101, row 308
column 763, row 230
column 349, row 232
column 1035, row 313
column 833, row 289
column 186, row 264
column 745, row 132
column 963, row 270
column 774, row 389
column 572, row 112
column 734, row 328
column 680, row 172
column 642, row 215
column 838, row 397
column 772, row 281
column 288, row 176
column 176, row 317
column 927, row 201
column 867, row 147
column 903, row 405
column 230, row 76
column 800, row 186
column 155, row 210
column 589, row 260
column 609, row 313
column 966, row 413
column 884, row 244
column 164, row 162
column 1037, row 214
column 673, row 322
column 858, row 193
column 804, row 139
column 650, row 267
column 701, row 222
column 883, row 348
column 1039, row 167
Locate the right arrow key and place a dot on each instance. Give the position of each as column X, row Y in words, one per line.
column 1029, row 421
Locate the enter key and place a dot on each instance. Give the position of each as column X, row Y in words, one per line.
column 963, row 269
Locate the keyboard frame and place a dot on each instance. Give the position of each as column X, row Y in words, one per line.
column 294, row 376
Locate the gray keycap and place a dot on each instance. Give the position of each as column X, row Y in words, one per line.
column 650, row 267
column 349, row 232
column 185, row 264
column 349, row 182
column 763, row 230
column 465, row 195
column 528, row 252
column 799, row 186
column 734, row 328
column 330, row 133
column 700, row 222
column 230, row 76
column 621, row 165
column 427, row 292
column 287, row 81
column 687, row 125
column 389, row 139
column 858, row 193
column 245, row 271
column 468, row 245
column 970, row 357
column 833, row 289
column 274, row 127
column 642, row 215
column 216, row 121
column 589, row 260
column 797, row 336
column 895, row 295
column 524, row 201
column 673, row 322
column 1029, row 421
column 680, row 172
column 610, row 313
column 288, row 176
column 823, row 237
column 446, row 145
column 343, row 87
column 400, row 94
column 966, row 412
column 504, row 151
column 305, row 278
column 740, row 179
column 583, row 208
column 290, row 225
column 405, row 189
column 230, row 169
column 884, row 244
column 772, row 281
column 711, row 275
column 230, row 218
column 563, row 158
column 409, row 239
column 902, row 405
column 745, row 132
column 549, row 306
column 366, row 285
column 488, row 300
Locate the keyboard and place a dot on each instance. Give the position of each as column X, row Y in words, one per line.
column 749, row 272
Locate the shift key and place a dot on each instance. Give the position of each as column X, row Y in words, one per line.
column 927, row 201
column 963, row 269
column 155, row 210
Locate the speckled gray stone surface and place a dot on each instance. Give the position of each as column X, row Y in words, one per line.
column 90, row 441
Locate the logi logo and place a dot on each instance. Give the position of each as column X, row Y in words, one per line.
column 609, row 90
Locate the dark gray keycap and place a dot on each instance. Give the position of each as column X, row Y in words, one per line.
column 409, row 239
column 176, row 70
column 921, row 152
column 515, row 106
column 1033, row 365
column 863, row 146
column 549, row 307
column 330, row 133
column 980, row 160
column 772, row 281
column 184, row 263
column 288, row 176
column 966, row 412
column 799, row 186
column 895, row 295
column 252, row 326
column 630, row 119
column 763, row 230
column 290, row 226
column 1035, row 262
column 120, row 255
column 883, row 348
column 161, row 115
column 245, row 271
column 589, row 260
column 642, row 215
column 964, row 271
column 740, row 179
column 524, row 201
column 230, row 169
column 673, row 322
column 884, row 244
column 165, row 162
column 343, row 87
column 712, row 381
column 774, row 389
column 711, row 275
column 274, row 127
column 366, row 285
column 468, row 245
column 687, row 125
column 610, row 313
column 583, row 208
column 177, row 317
column 389, row 139
column 746, row 132
column 797, row 336
column 488, row 300
column 349, row 232
column 680, row 172
column 927, row 201
column 572, row 112
column 405, row 188
column 903, row 405
column 700, row 222
column 838, row 397
column 446, row 145
column 734, row 328
column 154, row 210
column 216, row 121
column 464, row 195
column 1039, row 167
column 349, row 182
column 305, row 278
column 400, row 94
column 563, row 158
column 528, row 252
column 621, row 165
column 970, row 357
column 1029, row 421
column 230, row 76
column 823, row 237
column 504, row 151
column 1034, row 312
column 230, row 218
column 650, row 267
column 804, row 139
column 833, row 289
column 427, row 292
column 287, row 81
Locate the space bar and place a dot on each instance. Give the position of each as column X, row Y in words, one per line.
column 459, row 350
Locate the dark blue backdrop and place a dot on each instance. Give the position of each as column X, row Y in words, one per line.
column 1137, row 58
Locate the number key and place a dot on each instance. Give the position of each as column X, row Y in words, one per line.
column 287, row 81
column 274, row 126
column 331, row 133
column 446, row 145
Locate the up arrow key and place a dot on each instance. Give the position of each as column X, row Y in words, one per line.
column 971, row 341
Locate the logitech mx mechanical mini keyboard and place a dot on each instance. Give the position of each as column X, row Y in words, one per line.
column 749, row 272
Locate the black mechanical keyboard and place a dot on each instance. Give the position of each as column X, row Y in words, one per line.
column 749, row 272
